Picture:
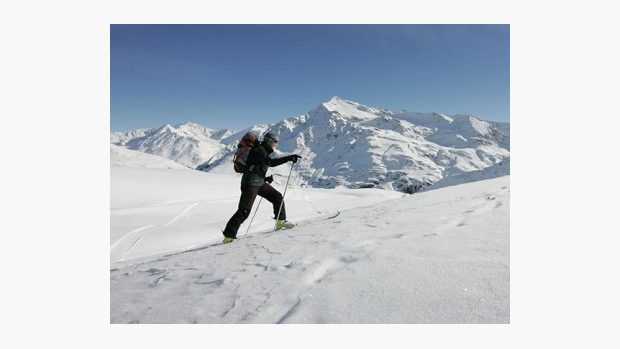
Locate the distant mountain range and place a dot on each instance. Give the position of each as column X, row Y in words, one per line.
column 346, row 143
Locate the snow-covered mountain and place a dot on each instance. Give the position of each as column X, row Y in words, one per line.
column 189, row 144
column 346, row 143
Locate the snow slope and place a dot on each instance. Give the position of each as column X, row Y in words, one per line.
column 157, row 210
column 498, row 170
column 435, row 257
column 120, row 156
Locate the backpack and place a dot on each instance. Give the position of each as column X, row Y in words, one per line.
column 247, row 142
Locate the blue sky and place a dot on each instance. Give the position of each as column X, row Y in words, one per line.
column 239, row 75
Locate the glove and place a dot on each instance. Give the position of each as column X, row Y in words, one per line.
column 269, row 179
column 294, row 158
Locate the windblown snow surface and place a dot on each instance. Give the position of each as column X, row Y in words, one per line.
column 440, row 256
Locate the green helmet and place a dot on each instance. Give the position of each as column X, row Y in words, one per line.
column 270, row 136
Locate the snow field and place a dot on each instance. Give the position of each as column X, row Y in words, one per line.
column 436, row 257
column 154, row 210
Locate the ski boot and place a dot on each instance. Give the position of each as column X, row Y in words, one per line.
column 282, row 224
column 228, row 240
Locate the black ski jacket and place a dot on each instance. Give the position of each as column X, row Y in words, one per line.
column 258, row 164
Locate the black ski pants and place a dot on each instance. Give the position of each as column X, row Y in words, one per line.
column 248, row 194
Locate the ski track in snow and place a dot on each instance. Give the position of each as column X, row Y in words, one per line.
column 126, row 236
column 157, row 211
column 261, row 260
column 356, row 258
column 118, row 244
column 182, row 213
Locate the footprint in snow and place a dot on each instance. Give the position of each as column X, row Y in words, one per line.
column 214, row 283
column 158, row 280
column 349, row 259
column 153, row 271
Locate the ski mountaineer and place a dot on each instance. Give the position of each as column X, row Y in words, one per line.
column 254, row 182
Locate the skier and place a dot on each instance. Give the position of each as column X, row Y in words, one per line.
column 254, row 182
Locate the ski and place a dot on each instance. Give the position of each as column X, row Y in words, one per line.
column 219, row 243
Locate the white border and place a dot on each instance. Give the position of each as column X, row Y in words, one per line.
column 55, row 78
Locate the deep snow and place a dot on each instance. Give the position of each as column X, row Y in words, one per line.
column 436, row 257
column 157, row 209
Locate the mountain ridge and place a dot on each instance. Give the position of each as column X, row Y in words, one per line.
column 345, row 143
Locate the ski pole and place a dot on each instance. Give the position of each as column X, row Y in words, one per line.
column 282, row 203
column 252, row 220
